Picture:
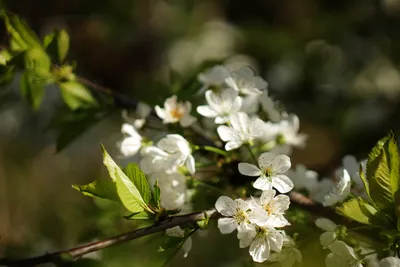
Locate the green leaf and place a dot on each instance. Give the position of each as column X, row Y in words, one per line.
column 37, row 60
column 357, row 210
column 126, row 189
column 383, row 172
column 33, row 88
column 76, row 95
column 22, row 36
column 157, row 194
column 57, row 45
column 100, row 189
column 136, row 175
column 364, row 180
column 143, row 215
column 5, row 56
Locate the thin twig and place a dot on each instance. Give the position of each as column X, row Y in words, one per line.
column 78, row 252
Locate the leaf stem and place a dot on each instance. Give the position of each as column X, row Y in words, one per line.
column 251, row 154
column 215, row 150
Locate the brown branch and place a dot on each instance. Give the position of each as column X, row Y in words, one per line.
column 75, row 253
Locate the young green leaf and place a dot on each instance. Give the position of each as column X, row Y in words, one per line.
column 383, row 172
column 57, row 45
column 126, row 189
column 357, row 210
column 139, row 179
column 33, row 88
column 22, row 36
column 76, row 95
column 38, row 61
column 100, row 189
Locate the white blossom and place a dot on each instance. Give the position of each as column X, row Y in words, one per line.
column 269, row 209
column 340, row 191
column 303, row 178
column 270, row 107
column 352, row 166
column 177, row 231
column 214, row 78
column 235, row 212
column 221, row 105
column 390, row 262
column 139, row 117
column 342, row 255
column 175, row 111
column 173, row 187
column 321, row 190
column 171, row 152
column 289, row 132
column 131, row 144
column 261, row 241
column 270, row 172
column 242, row 130
column 329, row 236
column 289, row 254
column 246, row 82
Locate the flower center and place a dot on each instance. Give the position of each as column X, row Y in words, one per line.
column 177, row 113
column 268, row 209
column 260, row 231
column 268, row 172
column 240, row 216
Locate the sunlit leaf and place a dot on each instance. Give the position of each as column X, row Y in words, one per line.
column 383, row 172
column 126, row 189
column 356, row 209
column 102, row 189
column 136, row 175
column 76, row 95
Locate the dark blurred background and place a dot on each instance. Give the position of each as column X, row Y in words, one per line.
column 334, row 63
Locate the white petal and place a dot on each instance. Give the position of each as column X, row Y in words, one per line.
column 281, row 163
column 327, row 238
column 226, row 133
column 246, row 234
column 325, row 224
column 227, row 225
column 341, row 249
column 280, row 204
column 231, row 145
column 265, row 160
column 249, row 169
column 276, row 221
column 282, row 183
column 160, row 112
column 275, row 240
column 206, row 111
column 262, row 183
column 130, row 146
column 240, row 121
column 333, row 260
column 259, row 250
column 187, row 246
column 190, row 164
column 267, row 196
column 390, row 262
column 226, row 206
column 187, row 120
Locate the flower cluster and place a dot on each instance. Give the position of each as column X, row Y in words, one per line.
column 256, row 220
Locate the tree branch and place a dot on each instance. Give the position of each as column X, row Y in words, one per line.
column 74, row 253
column 297, row 200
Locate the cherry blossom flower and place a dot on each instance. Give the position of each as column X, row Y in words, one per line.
column 139, row 117
column 269, row 209
column 171, row 152
column 214, row 78
column 289, row 254
column 340, row 190
column 270, row 172
column 246, row 82
column 242, row 130
column 342, row 255
column 132, row 142
column 329, row 236
column 303, row 178
column 234, row 210
column 289, row 132
column 221, row 105
column 261, row 241
column 390, row 262
column 175, row 111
